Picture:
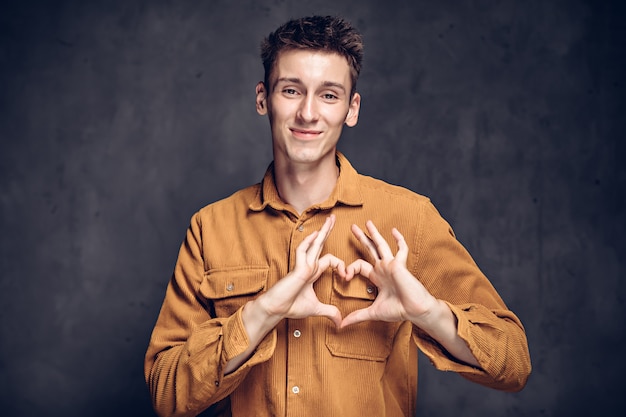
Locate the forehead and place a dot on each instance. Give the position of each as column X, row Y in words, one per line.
column 311, row 66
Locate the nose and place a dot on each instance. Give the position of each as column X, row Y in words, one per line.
column 308, row 112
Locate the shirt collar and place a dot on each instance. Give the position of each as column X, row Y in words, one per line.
column 347, row 190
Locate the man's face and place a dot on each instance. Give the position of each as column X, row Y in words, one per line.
column 308, row 101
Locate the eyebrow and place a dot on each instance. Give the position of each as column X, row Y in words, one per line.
column 294, row 80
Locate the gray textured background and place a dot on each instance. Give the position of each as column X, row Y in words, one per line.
column 119, row 119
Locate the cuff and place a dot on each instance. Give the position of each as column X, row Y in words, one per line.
column 469, row 321
column 236, row 342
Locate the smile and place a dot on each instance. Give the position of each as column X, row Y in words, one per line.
column 305, row 133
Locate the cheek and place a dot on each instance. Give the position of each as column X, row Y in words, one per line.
column 282, row 111
column 336, row 118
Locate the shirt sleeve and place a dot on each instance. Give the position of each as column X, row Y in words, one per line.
column 189, row 348
column 493, row 333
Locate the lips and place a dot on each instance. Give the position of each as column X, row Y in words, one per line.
column 305, row 134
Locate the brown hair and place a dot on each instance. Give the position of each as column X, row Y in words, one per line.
column 324, row 33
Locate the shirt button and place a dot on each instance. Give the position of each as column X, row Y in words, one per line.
column 295, row 389
column 300, row 228
column 217, row 383
column 297, row 333
column 370, row 289
column 230, row 287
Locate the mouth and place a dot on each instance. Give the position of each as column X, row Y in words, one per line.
column 305, row 134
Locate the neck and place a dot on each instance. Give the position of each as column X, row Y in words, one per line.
column 303, row 185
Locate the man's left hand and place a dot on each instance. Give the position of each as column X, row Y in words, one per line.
column 401, row 296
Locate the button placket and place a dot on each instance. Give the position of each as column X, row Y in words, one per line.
column 295, row 375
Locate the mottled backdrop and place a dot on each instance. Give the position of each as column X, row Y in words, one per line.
column 119, row 119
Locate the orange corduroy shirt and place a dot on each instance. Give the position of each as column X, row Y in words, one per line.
column 237, row 248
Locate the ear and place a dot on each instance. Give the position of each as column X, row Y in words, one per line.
column 353, row 110
column 261, row 99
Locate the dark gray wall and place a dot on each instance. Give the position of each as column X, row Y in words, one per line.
column 119, row 119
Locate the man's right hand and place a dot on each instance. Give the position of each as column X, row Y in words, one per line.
column 292, row 296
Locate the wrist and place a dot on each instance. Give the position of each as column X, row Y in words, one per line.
column 437, row 319
column 257, row 320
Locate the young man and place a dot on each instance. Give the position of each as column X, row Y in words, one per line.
column 289, row 297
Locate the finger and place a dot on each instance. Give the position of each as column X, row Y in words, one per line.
column 316, row 247
column 359, row 267
column 328, row 225
column 382, row 246
column 332, row 261
column 365, row 241
column 303, row 247
column 355, row 317
column 403, row 248
column 325, row 230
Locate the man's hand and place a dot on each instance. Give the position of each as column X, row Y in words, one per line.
column 293, row 296
column 400, row 295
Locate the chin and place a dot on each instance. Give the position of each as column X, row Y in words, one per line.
column 306, row 155
column 303, row 158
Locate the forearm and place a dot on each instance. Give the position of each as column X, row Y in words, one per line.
column 181, row 377
column 497, row 340
column 257, row 324
column 442, row 327
column 493, row 334
column 189, row 377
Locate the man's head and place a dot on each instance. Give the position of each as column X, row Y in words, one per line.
column 315, row 33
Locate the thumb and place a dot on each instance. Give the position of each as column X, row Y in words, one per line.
column 355, row 317
column 331, row 312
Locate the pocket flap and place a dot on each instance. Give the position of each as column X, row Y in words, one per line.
column 232, row 282
column 358, row 287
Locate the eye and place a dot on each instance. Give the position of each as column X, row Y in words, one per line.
column 329, row 96
column 290, row 91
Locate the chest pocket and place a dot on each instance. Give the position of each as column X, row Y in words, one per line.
column 370, row 340
column 228, row 289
